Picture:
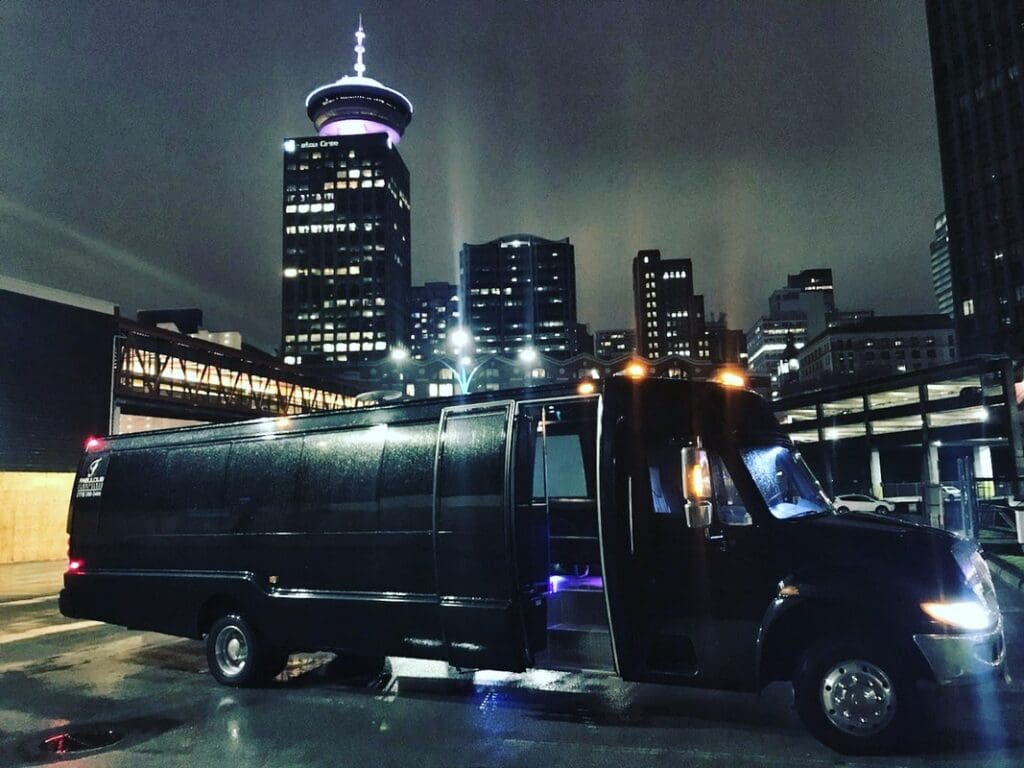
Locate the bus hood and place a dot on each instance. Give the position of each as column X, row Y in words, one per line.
column 875, row 550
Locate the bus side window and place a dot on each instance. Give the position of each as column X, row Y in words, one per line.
column 261, row 483
column 729, row 506
column 665, row 472
column 338, row 485
column 133, row 494
column 195, row 492
column 566, row 477
column 407, row 478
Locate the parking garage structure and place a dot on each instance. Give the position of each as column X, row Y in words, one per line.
column 907, row 435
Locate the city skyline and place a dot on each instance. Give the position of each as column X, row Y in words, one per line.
column 814, row 144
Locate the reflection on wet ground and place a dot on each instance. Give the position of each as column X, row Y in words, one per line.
column 967, row 720
column 157, row 693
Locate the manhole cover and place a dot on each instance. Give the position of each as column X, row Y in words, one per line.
column 79, row 740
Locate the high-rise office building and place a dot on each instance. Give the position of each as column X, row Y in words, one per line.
column 346, row 272
column 799, row 296
column 517, row 292
column 796, row 312
column 942, row 280
column 977, row 51
column 669, row 316
column 615, row 343
column 433, row 313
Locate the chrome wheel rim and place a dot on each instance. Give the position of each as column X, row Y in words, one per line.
column 858, row 697
column 231, row 650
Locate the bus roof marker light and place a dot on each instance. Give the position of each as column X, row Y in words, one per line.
column 93, row 443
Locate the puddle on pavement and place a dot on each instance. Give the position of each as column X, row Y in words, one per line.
column 75, row 740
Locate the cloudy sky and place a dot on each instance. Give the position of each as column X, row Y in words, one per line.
column 141, row 142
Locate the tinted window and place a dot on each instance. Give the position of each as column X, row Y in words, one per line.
column 729, row 504
column 474, row 447
column 133, row 493
column 407, row 477
column 195, row 483
column 785, row 482
column 566, row 476
column 338, row 486
column 261, row 482
column 665, row 471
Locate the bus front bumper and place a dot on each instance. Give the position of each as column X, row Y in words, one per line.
column 964, row 659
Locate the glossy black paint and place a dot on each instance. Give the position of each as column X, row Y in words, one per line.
column 417, row 530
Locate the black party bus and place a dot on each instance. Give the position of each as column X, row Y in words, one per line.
column 661, row 530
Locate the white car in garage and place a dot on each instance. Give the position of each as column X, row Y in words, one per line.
column 862, row 502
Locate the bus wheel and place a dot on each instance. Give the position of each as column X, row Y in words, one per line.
column 854, row 698
column 238, row 656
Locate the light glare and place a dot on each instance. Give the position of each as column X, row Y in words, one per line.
column 967, row 614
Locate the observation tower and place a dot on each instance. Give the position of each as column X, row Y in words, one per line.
column 346, row 227
column 356, row 104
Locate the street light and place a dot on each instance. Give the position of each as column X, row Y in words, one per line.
column 398, row 356
column 528, row 355
column 460, row 341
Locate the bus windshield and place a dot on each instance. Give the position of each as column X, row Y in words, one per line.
column 785, row 481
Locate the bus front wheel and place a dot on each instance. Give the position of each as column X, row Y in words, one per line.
column 238, row 655
column 854, row 697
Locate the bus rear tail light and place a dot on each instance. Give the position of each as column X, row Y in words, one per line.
column 93, row 444
column 75, row 565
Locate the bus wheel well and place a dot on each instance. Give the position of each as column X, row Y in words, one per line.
column 213, row 609
column 788, row 638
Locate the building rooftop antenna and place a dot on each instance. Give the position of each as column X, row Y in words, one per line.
column 360, row 67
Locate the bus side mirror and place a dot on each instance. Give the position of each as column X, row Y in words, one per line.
column 697, row 487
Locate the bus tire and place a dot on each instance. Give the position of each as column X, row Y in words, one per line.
column 238, row 655
column 855, row 697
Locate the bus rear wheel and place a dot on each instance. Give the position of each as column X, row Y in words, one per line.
column 239, row 656
column 855, row 697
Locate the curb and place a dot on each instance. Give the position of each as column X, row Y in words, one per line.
column 1006, row 572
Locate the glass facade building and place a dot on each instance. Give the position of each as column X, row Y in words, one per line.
column 346, row 250
column 518, row 292
column 977, row 51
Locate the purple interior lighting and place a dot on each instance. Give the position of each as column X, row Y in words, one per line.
column 557, row 583
column 359, row 127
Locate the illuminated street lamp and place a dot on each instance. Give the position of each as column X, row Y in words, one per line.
column 528, row 355
column 398, row 356
column 460, row 341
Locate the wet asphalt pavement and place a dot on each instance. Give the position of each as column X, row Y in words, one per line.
column 153, row 693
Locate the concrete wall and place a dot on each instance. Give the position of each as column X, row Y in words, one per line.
column 33, row 515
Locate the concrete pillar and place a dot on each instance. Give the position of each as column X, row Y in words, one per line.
column 983, row 470
column 876, row 473
column 932, row 463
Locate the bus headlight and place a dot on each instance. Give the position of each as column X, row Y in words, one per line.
column 963, row 614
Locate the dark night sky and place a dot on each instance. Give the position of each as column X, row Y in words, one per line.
column 141, row 143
